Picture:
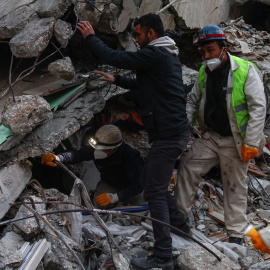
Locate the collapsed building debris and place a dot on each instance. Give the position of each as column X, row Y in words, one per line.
column 53, row 115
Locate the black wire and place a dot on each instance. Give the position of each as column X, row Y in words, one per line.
column 261, row 186
column 10, row 71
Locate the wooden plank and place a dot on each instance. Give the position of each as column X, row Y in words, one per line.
column 216, row 216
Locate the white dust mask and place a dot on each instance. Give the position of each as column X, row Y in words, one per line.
column 99, row 154
column 214, row 63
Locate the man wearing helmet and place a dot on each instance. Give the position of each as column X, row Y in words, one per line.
column 228, row 102
column 119, row 165
column 162, row 101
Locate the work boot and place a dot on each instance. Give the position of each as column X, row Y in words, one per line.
column 236, row 240
column 152, row 262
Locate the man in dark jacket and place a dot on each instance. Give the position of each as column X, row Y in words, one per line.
column 118, row 163
column 162, row 109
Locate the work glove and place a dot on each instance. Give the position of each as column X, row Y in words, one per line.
column 258, row 239
column 49, row 158
column 248, row 152
column 107, row 198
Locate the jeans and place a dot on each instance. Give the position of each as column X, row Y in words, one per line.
column 155, row 177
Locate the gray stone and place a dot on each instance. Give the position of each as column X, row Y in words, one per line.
column 63, row 32
column 14, row 22
column 8, row 245
column 119, row 260
column 245, row 262
column 26, row 113
column 33, row 39
column 62, row 68
column 91, row 14
column 260, row 266
column 227, row 251
column 8, row 6
column 29, row 226
column 240, row 250
column 108, row 22
column 197, row 258
column 189, row 77
column 264, row 214
column 50, row 8
column 13, row 179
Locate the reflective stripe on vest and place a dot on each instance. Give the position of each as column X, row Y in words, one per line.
column 238, row 99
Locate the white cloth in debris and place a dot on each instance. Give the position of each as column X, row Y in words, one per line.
column 167, row 43
column 132, row 233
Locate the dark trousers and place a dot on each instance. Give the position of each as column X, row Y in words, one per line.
column 155, row 177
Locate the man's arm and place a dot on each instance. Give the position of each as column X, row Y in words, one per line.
column 122, row 81
column 193, row 99
column 255, row 97
column 143, row 59
column 73, row 157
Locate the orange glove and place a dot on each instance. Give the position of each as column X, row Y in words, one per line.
column 107, row 198
column 256, row 239
column 49, row 158
column 248, row 153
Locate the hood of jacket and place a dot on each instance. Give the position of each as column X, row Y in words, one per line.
column 167, row 43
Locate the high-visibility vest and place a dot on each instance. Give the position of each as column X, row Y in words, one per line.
column 238, row 100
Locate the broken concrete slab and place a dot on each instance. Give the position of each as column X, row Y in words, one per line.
column 50, row 8
column 62, row 68
column 260, row 266
column 63, row 32
column 14, row 22
column 206, row 12
column 8, row 6
column 33, row 39
column 13, row 179
column 149, row 6
column 9, row 244
column 197, row 258
column 23, row 115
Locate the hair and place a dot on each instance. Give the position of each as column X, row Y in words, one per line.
column 151, row 21
column 221, row 42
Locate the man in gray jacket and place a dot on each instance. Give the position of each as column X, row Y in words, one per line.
column 229, row 103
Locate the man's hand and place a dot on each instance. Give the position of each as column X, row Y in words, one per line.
column 49, row 158
column 85, row 28
column 107, row 198
column 107, row 77
column 248, row 152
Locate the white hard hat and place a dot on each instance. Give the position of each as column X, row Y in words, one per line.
column 106, row 137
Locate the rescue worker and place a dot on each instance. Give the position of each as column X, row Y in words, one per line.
column 229, row 102
column 118, row 163
column 162, row 108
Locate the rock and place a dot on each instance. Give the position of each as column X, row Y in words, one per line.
column 33, row 39
column 26, row 113
column 63, row 32
column 108, row 21
column 14, row 22
column 260, row 266
column 50, row 8
column 8, row 6
column 240, row 250
column 197, row 258
column 29, row 226
column 264, row 214
column 62, row 68
column 13, row 179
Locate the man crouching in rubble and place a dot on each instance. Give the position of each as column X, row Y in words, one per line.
column 228, row 100
column 118, row 163
column 162, row 109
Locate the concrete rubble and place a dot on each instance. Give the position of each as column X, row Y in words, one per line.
column 57, row 105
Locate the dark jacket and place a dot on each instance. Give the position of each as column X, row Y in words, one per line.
column 121, row 170
column 161, row 94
